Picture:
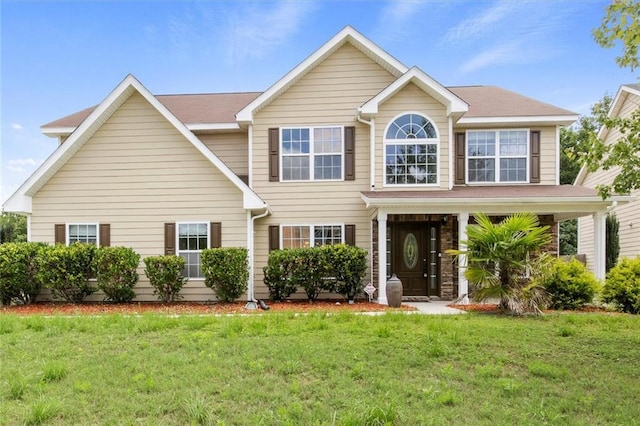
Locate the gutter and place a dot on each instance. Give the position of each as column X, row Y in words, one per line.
column 251, row 300
column 372, row 147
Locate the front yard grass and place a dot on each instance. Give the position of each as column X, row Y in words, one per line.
column 341, row 369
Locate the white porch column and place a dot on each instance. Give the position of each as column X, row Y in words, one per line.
column 463, row 284
column 599, row 243
column 382, row 257
column 29, row 227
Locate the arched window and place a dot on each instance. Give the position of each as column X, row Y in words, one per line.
column 411, row 151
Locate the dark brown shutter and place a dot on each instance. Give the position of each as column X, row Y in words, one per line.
column 215, row 239
column 169, row 238
column 350, row 153
column 460, row 159
column 534, row 173
column 60, row 233
column 350, row 234
column 274, row 237
column 105, row 235
column 274, row 154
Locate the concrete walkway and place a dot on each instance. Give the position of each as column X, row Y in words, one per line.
column 437, row 307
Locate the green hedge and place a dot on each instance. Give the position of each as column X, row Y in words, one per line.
column 348, row 265
column 166, row 276
column 622, row 286
column 570, row 284
column 277, row 275
column 333, row 268
column 66, row 270
column 226, row 271
column 18, row 272
column 116, row 272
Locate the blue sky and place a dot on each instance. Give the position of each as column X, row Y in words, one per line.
column 60, row 57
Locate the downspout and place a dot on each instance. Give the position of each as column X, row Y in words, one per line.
column 372, row 148
column 251, row 300
column 372, row 176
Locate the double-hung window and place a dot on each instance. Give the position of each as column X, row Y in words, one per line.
column 297, row 236
column 192, row 239
column 497, row 156
column 312, row 153
column 83, row 233
column 411, row 151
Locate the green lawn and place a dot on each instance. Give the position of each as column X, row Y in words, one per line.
column 341, row 369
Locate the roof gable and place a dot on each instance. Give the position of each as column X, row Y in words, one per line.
column 621, row 97
column 20, row 201
column 347, row 35
column 454, row 104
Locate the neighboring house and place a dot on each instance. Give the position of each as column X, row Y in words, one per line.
column 625, row 102
column 349, row 146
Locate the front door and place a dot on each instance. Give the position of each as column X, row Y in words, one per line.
column 416, row 257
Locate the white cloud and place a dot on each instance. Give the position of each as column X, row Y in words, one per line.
column 509, row 53
column 484, row 22
column 398, row 18
column 21, row 165
column 16, row 126
column 256, row 31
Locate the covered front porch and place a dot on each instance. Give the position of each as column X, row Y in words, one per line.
column 411, row 230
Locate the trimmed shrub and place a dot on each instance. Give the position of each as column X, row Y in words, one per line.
column 226, row 271
column 66, row 270
column 18, row 272
column 570, row 284
column 622, row 286
column 166, row 276
column 277, row 275
column 115, row 269
column 309, row 270
column 348, row 266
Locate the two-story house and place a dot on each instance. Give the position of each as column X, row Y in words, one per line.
column 349, row 146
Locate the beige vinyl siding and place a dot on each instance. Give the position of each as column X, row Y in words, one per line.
column 548, row 151
column 136, row 173
column 629, row 229
column 328, row 95
column 231, row 148
column 412, row 99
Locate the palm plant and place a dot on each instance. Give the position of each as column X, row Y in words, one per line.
column 501, row 255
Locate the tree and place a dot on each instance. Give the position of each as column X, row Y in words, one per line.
column 612, row 246
column 13, row 228
column 573, row 141
column 620, row 24
column 499, row 257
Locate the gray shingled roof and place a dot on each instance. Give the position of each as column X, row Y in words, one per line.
column 484, row 101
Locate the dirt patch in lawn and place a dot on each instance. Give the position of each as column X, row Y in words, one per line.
column 193, row 308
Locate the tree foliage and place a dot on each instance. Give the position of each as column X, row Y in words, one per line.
column 499, row 256
column 13, row 228
column 620, row 24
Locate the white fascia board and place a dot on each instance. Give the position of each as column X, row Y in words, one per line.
column 56, row 132
column 196, row 127
column 500, row 205
column 245, row 116
column 443, row 95
column 18, row 203
column 562, row 120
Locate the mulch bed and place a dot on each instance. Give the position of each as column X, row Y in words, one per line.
column 193, row 308
column 491, row 308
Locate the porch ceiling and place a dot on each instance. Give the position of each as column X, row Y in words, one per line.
column 562, row 201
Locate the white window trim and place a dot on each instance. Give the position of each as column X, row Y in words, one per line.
column 177, row 243
column 96, row 224
column 497, row 157
column 386, row 142
column 311, row 233
column 311, row 154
